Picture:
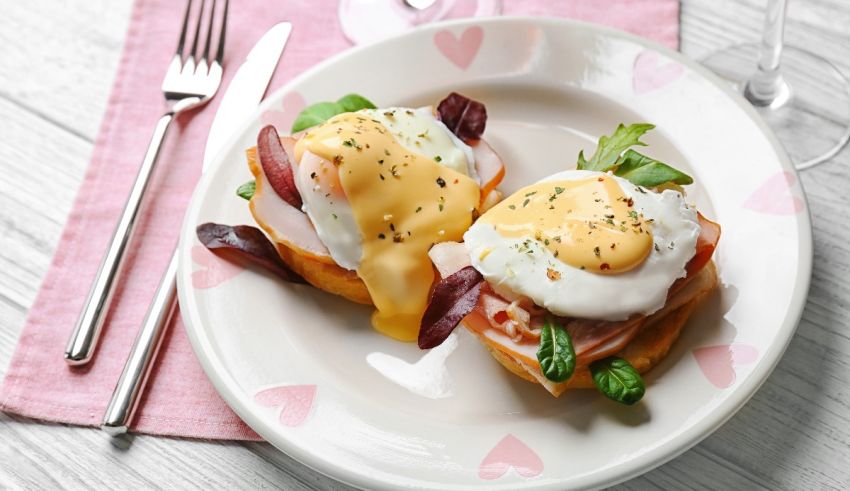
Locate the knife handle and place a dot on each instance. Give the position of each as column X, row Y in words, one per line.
column 83, row 341
column 134, row 377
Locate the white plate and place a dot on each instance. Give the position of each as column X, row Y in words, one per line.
column 292, row 361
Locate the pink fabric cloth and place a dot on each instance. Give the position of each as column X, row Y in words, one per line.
column 180, row 401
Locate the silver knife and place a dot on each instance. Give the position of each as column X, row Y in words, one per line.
column 244, row 93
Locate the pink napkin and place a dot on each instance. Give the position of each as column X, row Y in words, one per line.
column 179, row 400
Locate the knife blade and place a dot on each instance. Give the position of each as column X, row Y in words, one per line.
column 244, row 93
column 247, row 88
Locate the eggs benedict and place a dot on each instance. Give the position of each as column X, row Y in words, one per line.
column 354, row 203
column 583, row 279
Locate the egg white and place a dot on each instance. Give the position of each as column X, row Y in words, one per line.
column 515, row 274
column 419, row 131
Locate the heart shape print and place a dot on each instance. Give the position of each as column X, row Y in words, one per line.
column 296, row 402
column 718, row 362
column 291, row 105
column 510, row 452
column 649, row 74
column 774, row 196
column 460, row 51
column 214, row 270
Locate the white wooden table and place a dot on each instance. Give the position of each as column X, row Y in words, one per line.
column 57, row 62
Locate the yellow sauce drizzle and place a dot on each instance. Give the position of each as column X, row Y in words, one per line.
column 588, row 224
column 403, row 203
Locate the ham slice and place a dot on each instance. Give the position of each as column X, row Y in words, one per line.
column 488, row 166
column 285, row 223
column 449, row 257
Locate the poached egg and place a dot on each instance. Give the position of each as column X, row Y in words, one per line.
column 381, row 187
column 586, row 244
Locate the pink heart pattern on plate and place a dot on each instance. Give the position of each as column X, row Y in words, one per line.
column 718, row 363
column 510, row 452
column 292, row 104
column 296, row 401
column 774, row 196
column 214, row 270
column 460, row 51
column 650, row 74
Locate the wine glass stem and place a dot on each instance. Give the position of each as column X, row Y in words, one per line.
column 767, row 87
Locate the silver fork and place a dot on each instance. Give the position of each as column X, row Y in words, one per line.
column 189, row 83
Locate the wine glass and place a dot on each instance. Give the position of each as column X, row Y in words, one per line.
column 364, row 21
column 802, row 96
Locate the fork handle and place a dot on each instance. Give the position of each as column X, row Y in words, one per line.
column 134, row 377
column 86, row 333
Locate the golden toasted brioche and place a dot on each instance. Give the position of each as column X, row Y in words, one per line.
column 647, row 349
column 328, row 277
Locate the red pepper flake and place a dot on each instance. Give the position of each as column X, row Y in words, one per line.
column 630, row 202
column 552, row 274
column 604, row 266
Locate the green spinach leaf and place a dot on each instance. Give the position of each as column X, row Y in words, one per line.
column 318, row 113
column 246, row 191
column 354, row 102
column 618, row 380
column 648, row 172
column 555, row 353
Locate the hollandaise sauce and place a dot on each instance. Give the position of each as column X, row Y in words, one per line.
column 403, row 203
column 589, row 224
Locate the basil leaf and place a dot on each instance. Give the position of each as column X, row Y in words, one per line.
column 648, row 172
column 318, row 113
column 609, row 148
column 618, row 380
column 354, row 102
column 555, row 353
column 246, row 191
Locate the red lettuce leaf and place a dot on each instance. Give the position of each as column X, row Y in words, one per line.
column 277, row 166
column 465, row 117
column 249, row 244
column 453, row 298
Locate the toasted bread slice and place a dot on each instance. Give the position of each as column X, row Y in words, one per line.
column 647, row 349
column 328, row 277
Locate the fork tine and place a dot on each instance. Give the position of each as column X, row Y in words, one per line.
column 220, row 54
column 182, row 40
column 197, row 31
column 206, row 54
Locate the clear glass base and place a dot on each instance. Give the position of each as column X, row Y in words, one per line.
column 811, row 113
column 365, row 21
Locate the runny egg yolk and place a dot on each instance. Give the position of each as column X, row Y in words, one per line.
column 403, row 203
column 590, row 224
